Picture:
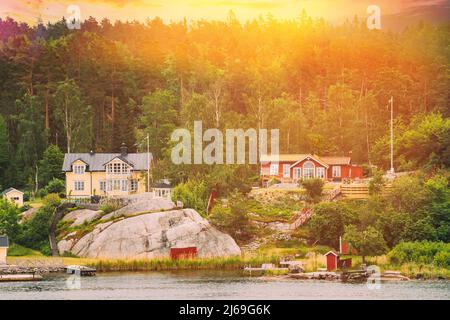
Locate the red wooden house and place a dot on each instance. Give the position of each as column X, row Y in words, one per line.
column 293, row 167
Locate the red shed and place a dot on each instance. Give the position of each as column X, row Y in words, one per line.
column 332, row 260
column 183, row 253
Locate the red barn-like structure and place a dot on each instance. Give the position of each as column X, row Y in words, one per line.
column 334, row 261
column 183, row 253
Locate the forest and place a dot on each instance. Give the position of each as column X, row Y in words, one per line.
column 326, row 87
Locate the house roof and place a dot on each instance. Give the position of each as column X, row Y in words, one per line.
column 96, row 161
column 9, row 190
column 308, row 157
column 4, row 242
column 329, row 160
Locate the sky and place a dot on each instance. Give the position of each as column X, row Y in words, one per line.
column 175, row 10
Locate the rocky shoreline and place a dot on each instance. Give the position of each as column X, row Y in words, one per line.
column 14, row 269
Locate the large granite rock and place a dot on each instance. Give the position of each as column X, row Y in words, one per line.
column 78, row 217
column 152, row 235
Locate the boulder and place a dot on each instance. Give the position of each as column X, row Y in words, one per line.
column 78, row 217
column 152, row 235
column 141, row 206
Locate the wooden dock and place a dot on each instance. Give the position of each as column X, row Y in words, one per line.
column 20, row 277
column 81, row 271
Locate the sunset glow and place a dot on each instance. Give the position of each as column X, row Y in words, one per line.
column 176, row 10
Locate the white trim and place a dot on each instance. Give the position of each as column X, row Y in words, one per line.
column 310, row 157
column 340, row 172
column 332, row 252
column 13, row 189
column 272, row 172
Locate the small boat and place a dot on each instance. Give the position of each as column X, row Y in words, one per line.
column 20, row 277
column 81, row 270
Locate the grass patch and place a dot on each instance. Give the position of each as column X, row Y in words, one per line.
column 16, row 250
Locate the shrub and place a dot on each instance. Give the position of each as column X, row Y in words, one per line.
column 313, row 187
column 110, row 205
column 51, row 200
column 420, row 252
column 9, row 219
column 193, row 193
column 55, row 186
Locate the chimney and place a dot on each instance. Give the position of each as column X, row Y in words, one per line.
column 123, row 149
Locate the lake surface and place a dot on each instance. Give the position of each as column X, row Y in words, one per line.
column 212, row 285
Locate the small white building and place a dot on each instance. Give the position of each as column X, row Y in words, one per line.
column 13, row 195
column 4, row 245
column 162, row 189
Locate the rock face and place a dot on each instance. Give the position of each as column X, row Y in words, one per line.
column 152, row 235
column 79, row 217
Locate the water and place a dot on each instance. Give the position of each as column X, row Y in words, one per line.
column 213, row 285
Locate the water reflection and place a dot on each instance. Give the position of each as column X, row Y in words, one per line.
column 213, row 285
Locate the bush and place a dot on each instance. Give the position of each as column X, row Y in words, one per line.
column 110, row 205
column 421, row 252
column 55, row 186
column 234, row 219
column 52, row 200
column 313, row 187
column 9, row 219
column 35, row 231
column 193, row 193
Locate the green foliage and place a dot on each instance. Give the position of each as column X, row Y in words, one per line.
column 234, row 219
column 51, row 200
column 50, row 166
column 313, row 187
column 110, row 205
column 329, row 220
column 159, row 119
column 369, row 242
column 16, row 250
column 9, row 219
column 35, row 230
column 421, row 252
column 193, row 193
column 4, row 154
column 376, row 182
column 55, row 186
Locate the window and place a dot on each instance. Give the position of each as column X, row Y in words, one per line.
column 79, row 185
column 336, row 171
column 297, row 172
column 320, row 172
column 103, row 185
column 308, row 170
column 114, row 185
column 274, row 169
column 118, row 168
column 286, row 170
column 124, row 185
column 79, row 169
column 133, row 185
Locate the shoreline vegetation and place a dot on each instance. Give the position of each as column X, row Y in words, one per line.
column 413, row 270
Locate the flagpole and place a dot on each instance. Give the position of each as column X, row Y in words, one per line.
column 392, row 134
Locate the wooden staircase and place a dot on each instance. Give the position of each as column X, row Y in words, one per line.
column 301, row 217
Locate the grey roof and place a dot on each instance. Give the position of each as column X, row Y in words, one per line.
column 4, row 242
column 97, row 161
column 10, row 189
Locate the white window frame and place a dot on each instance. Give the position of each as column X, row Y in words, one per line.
column 286, row 170
column 124, row 185
column 79, row 169
column 297, row 172
column 78, row 185
column 309, row 172
column 336, row 171
column 102, row 185
column 320, row 172
column 274, row 169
